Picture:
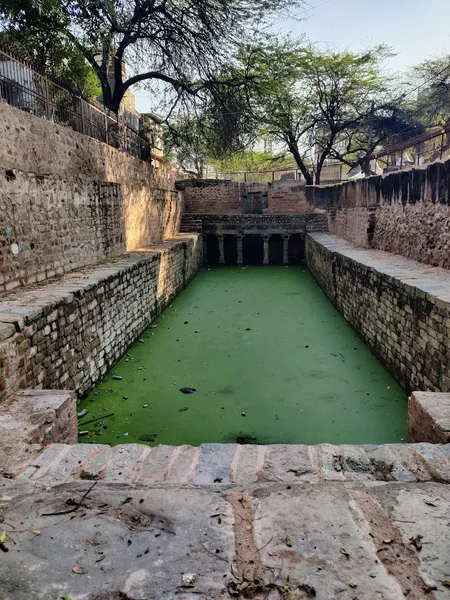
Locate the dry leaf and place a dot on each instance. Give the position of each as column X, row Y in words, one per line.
column 430, row 503
column 37, row 532
column 3, row 537
column 78, row 570
column 388, row 541
column 345, row 552
column 446, row 582
column 288, row 542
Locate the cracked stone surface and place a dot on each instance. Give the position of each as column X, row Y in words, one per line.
column 345, row 540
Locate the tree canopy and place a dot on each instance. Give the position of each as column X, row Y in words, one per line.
column 322, row 104
column 33, row 31
column 179, row 45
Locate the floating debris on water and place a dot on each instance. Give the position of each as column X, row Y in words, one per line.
column 145, row 406
column 117, row 377
column 82, row 413
column 183, row 409
column 148, row 437
column 187, row 390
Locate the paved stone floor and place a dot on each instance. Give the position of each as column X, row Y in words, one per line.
column 330, row 540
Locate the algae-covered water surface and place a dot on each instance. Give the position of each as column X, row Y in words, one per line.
column 271, row 362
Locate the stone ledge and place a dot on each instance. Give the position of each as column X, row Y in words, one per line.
column 429, row 417
column 225, row 464
column 424, row 280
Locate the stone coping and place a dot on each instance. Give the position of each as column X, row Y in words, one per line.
column 432, row 283
column 225, row 464
column 27, row 304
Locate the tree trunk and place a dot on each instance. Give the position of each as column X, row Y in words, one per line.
column 366, row 167
column 293, row 149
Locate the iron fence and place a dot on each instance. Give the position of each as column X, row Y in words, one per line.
column 23, row 87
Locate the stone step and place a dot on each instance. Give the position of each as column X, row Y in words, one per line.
column 240, row 464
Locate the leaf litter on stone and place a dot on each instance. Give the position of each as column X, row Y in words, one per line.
column 78, row 570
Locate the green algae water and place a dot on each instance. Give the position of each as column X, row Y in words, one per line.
column 271, row 361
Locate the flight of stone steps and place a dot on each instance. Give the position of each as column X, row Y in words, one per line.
column 239, row 464
column 190, row 224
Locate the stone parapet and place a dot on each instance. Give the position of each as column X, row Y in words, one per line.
column 34, row 419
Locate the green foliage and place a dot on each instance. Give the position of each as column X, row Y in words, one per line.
column 35, row 30
column 433, row 99
column 179, row 45
column 314, row 100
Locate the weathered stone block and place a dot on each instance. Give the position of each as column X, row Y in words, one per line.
column 429, row 417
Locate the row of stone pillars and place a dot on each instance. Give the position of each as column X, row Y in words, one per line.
column 265, row 236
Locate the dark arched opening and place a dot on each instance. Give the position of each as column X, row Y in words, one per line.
column 296, row 249
column 276, row 250
column 230, row 249
column 253, row 250
column 212, row 250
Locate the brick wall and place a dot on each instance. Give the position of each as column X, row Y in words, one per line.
column 288, row 197
column 68, row 201
column 221, row 198
column 406, row 212
column 211, row 196
column 400, row 308
column 67, row 335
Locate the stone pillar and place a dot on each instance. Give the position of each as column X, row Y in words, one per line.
column 221, row 250
column 205, row 251
column 286, row 237
column 240, row 260
column 266, row 237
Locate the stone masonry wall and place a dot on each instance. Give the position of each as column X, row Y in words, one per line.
column 68, row 201
column 38, row 146
column 399, row 307
column 288, row 197
column 211, row 196
column 67, row 335
column 406, row 212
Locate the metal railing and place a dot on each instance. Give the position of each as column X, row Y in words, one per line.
column 23, row 87
column 421, row 150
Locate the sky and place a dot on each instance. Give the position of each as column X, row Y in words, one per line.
column 415, row 29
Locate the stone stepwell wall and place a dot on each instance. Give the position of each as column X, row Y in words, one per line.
column 399, row 307
column 213, row 197
column 406, row 212
column 216, row 197
column 67, row 334
column 68, row 201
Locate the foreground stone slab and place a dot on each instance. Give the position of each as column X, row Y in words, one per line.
column 429, row 418
column 270, row 540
